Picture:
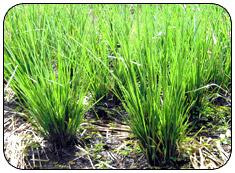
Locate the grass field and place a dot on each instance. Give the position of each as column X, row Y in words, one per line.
column 162, row 70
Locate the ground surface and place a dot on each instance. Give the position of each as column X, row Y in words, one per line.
column 107, row 142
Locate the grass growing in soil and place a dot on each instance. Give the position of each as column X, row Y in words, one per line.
column 159, row 60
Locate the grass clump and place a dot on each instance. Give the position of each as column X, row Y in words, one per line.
column 157, row 116
column 54, row 102
column 50, row 81
column 164, row 65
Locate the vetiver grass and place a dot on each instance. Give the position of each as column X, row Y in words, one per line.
column 155, row 58
column 51, row 78
column 166, row 62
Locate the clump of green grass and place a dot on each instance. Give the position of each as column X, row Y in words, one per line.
column 164, row 65
column 54, row 101
column 157, row 114
column 50, row 80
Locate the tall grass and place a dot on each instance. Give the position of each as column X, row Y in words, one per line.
column 51, row 79
column 153, row 57
column 166, row 54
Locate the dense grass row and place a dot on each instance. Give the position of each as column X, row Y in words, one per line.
column 152, row 57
